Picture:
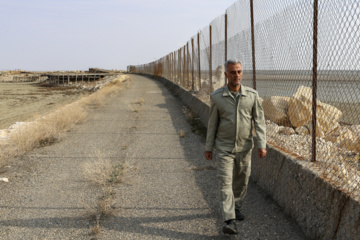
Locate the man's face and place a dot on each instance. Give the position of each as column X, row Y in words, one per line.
column 234, row 74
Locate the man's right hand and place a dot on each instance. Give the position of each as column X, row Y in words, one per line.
column 208, row 155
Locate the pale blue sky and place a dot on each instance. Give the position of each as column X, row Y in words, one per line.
column 37, row 35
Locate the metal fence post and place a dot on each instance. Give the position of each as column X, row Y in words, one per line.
column 314, row 91
column 184, row 67
column 199, row 66
column 179, row 66
column 187, row 64
column 165, row 67
column 173, row 66
column 170, row 66
column 210, row 61
column 253, row 42
column 226, row 41
column 192, row 65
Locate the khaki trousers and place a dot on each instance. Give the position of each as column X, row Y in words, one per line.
column 233, row 172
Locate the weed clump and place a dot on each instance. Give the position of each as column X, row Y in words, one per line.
column 196, row 125
column 103, row 173
column 182, row 133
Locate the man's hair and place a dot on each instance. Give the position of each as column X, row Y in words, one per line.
column 232, row 61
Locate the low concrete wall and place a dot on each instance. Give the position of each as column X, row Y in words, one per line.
column 321, row 211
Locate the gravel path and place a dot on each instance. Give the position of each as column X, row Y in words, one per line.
column 169, row 191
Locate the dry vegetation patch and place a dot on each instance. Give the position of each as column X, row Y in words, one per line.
column 182, row 133
column 99, row 97
column 196, row 125
column 47, row 129
column 103, row 174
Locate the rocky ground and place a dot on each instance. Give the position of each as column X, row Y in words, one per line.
column 337, row 145
column 339, row 166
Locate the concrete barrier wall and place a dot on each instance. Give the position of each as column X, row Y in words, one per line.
column 322, row 211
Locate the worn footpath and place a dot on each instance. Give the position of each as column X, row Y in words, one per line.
column 169, row 190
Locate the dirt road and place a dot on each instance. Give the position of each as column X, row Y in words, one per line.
column 169, row 191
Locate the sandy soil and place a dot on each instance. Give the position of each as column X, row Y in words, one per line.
column 26, row 101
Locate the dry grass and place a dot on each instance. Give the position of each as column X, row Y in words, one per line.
column 99, row 97
column 96, row 229
column 189, row 114
column 98, row 170
column 182, row 133
column 196, row 125
column 48, row 129
column 44, row 130
column 104, row 174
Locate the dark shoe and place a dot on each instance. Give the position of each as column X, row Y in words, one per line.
column 230, row 227
column 239, row 215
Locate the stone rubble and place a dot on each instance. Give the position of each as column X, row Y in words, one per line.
column 286, row 130
column 96, row 85
column 276, row 110
column 4, row 180
column 337, row 147
column 300, row 112
column 296, row 113
column 337, row 163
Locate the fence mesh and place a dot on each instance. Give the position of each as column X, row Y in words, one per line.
column 239, row 38
column 291, row 51
column 283, row 47
column 218, row 51
column 339, row 92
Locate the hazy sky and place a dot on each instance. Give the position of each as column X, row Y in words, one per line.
column 49, row 35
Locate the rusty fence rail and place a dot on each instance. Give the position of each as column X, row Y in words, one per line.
column 303, row 57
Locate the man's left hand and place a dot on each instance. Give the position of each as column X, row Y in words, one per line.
column 262, row 152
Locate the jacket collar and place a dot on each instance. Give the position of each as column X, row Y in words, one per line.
column 227, row 91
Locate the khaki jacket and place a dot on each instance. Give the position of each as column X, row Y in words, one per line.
column 230, row 121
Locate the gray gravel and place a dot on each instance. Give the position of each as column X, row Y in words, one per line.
column 169, row 190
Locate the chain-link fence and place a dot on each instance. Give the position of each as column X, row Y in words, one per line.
column 302, row 57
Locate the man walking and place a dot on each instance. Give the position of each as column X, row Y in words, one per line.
column 230, row 131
